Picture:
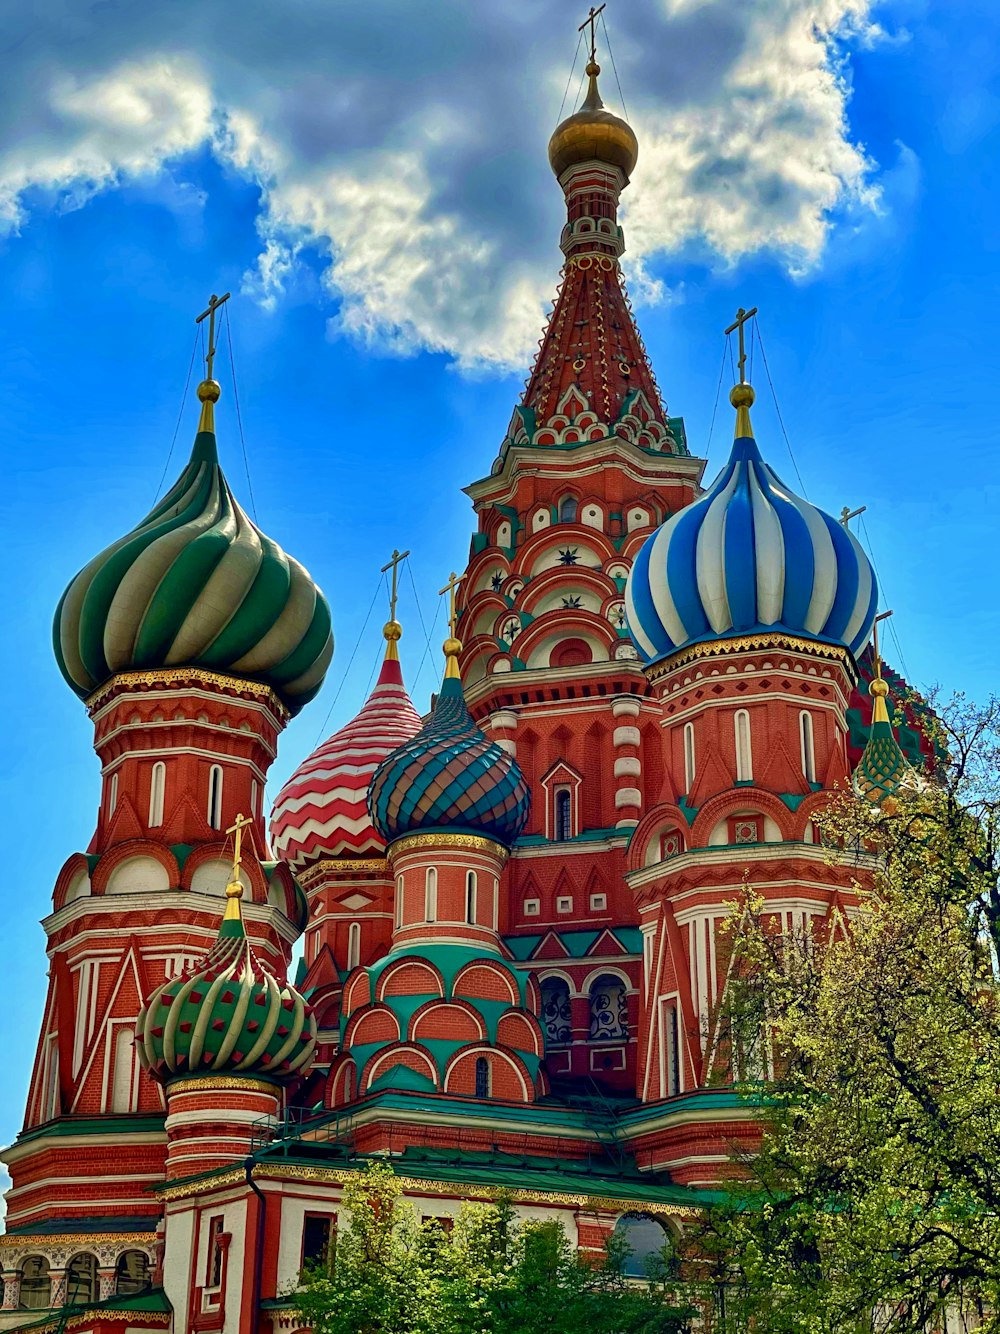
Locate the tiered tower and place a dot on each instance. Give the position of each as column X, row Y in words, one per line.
column 591, row 464
column 192, row 639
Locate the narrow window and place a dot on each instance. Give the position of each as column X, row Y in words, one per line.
column 215, row 796
column 608, row 1009
column 431, row 895
column 470, row 897
column 567, row 509
column 213, row 1268
column 689, row 770
column 157, row 785
column 123, row 1070
column 564, row 815
column 496, row 904
column 744, row 755
column 482, row 1077
column 808, row 747
column 672, row 1037
column 399, row 901
column 353, row 945
column 254, row 796
column 318, row 1233
column 113, row 794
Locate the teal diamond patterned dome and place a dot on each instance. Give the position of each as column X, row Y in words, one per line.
column 449, row 777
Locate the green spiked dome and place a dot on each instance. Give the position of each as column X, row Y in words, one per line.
column 196, row 584
column 227, row 1014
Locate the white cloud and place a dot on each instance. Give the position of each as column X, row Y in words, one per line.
column 410, row 155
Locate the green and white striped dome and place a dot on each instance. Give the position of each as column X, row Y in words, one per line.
column 196, row 583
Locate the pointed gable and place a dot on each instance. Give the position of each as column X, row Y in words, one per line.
column 550, row 947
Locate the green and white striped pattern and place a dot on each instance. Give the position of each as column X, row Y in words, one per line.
column 196, row 584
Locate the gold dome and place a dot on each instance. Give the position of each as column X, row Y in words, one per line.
column 593, row 132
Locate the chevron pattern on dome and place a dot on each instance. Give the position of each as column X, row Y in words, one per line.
column 196, row 583
column 322, row 811
column 749, row 556
column 883, row 768
column 226, row 1014
column 449, row 777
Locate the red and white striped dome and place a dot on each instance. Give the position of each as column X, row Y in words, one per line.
column 322, row 809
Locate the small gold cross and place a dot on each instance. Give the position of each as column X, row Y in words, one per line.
column 397, row 559
column 214, row 302
column 742, row 316
column 450, row 588
column 236, row 829
column 591, row 19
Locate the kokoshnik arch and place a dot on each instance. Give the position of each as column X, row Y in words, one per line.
column 513, row 962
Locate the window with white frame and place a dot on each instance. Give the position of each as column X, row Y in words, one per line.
column 353, row 945
column 689, row 769
column 744, row 754
column 113, row 794
column 431, row 895
column 564, row 904
column 808, row 746
column 215, row 796
column 563, row 814
column 532, row 907
column 399, row 901
column 471, row 896
column 598, row 902
column 157, row 787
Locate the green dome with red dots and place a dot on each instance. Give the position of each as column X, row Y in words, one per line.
column 227, row 1014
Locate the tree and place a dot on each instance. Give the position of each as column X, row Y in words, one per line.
column 491, row 1274
column 874, row 1202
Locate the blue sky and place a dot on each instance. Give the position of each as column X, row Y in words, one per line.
column 371, row 183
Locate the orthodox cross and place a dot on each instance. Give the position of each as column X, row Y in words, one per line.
column 397, row 559
column 847, row 514
column 883, row 616
column 451, row 588
column 214, row 302
column 742, row 316
column 242, row 821
column 590, row 20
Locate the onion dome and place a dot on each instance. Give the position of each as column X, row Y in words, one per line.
column 196, row 583
column 749, row 557
column 593, row 134
column 322, row 811
column 227, row 1014
column 449, row 777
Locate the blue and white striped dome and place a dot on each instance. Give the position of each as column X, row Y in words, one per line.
column 749, row 556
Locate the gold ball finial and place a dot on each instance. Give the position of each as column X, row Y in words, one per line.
column 392, row 631
column 878, row 688
column 593, row 69
column 742, row 396
column 234, row 890
column 452, row 647
column 209, row 391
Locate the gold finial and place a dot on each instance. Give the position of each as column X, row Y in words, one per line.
column 877, row 688
column 741, row 395
column 452, row 645
column 209, row 389
column 234, row 890
column 392, row 630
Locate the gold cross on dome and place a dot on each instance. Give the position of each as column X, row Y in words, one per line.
column 590, row 20
column 451, row 588
column 214, row 302
column 742, row 316
column 397, row 559
column 883, row 616
column 847, row 514
column 236, row 829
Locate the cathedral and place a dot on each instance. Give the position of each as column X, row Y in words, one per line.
column 512, row 908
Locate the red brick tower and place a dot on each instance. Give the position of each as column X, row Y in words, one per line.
column 590, row 466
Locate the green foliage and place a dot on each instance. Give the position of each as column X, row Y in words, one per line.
column 874, row 1203
column 492, row 1274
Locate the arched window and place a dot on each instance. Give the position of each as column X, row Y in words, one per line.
column 254, row 796
column 744, row 754
column 36, row 1283
column 471, row 897
column 132, row 1274
column 123, row 1069
column 157, row 786
column 353, row 945
column 215, row 796
column 564, row 815
column 482, row 1077
column 689, row 769
column 81, row 1279
column 567, row 509
column 113, row 794
column 808, row 746
column 555, row 1010
column 608, row 1009
column 399, row 901
column 649, row 1253
column 431, row 895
